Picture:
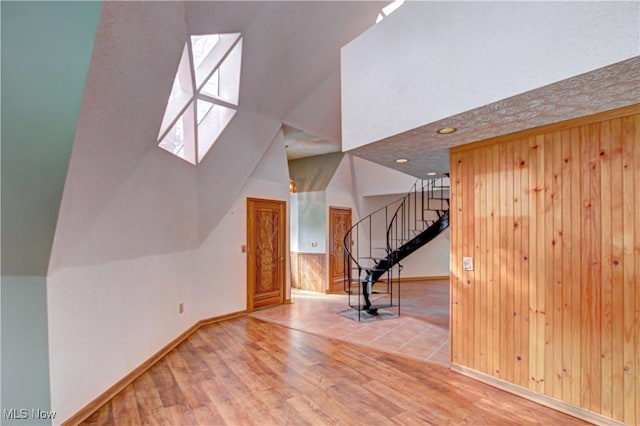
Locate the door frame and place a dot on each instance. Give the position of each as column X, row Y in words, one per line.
column 283, row 244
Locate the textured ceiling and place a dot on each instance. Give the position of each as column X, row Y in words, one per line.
column 608, row 88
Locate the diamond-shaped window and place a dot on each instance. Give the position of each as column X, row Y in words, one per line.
column 204, row 95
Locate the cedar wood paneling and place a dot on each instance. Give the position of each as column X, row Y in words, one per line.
column 551, row 218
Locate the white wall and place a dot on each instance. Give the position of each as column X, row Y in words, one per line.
column 316, row 113
column 431, row 260
column 224, row 171
column 312, row 222
column 375, row 187
column 139, row 230
column 221, row 282
column 106, row 319
column 375, row 179
column 341, row 190
column 129, row 308
column 293, row 223
column 430, row 60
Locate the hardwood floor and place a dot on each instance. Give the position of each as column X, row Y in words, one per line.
column 246, row 371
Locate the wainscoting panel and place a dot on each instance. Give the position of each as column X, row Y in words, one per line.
column 308, row 271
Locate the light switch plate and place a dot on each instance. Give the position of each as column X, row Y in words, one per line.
column 467, row 263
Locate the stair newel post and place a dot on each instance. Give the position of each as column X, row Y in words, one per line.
column 370, row 236
column 399, row 282
column 395, row 226
column 415, row 205
column 386, row 216
column 402, row 227
column 422, row 201
column 415, row 210
column 407, row 224
column 358, row 247
column 346, row 279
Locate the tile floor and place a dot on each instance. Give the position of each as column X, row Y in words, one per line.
column 421, row 331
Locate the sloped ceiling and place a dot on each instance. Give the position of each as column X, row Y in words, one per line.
column 314, row 173
column 123, row 194
column 300, row 144
column 289, row 49
column 46, row 51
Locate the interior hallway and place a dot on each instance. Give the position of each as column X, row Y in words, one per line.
column 420, row 332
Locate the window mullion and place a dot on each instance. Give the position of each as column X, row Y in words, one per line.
column 218, row 62
column 194, row 101
column 216, row 101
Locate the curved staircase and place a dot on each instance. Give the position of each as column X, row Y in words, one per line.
column 375, row 245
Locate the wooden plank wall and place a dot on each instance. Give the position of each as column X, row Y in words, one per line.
column 308, row 271
column 551, row 218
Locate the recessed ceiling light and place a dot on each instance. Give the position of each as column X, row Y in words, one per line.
column 446, row 130
column 402, row 160
column 432, row 174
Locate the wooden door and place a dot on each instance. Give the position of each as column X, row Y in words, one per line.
column 266, row 253
column 339, row 224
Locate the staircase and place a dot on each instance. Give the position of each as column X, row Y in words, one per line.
column 376, row 244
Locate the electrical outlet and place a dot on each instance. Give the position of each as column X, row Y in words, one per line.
column 181, row 307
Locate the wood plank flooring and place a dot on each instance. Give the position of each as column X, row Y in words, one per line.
column 249, row 372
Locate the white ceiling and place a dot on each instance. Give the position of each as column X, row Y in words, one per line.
column 291, row 74
column 300, row 144
column 289, row 50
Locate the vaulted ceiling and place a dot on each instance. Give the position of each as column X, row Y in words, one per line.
column 290, row 75
column 291, row 55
